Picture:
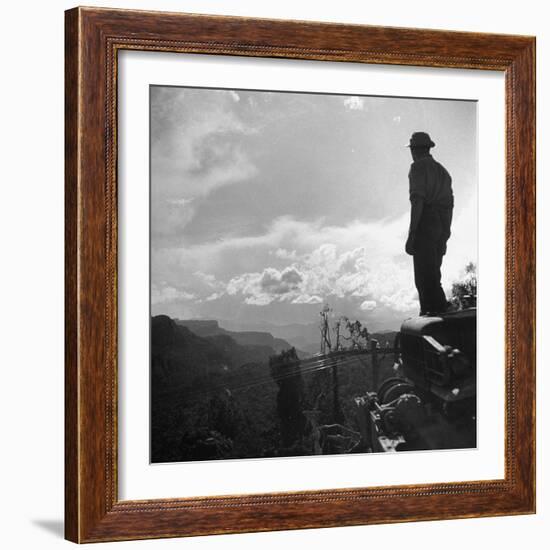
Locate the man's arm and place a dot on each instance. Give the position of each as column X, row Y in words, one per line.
column 417, row 205
column 446, row 219
column 417, row 192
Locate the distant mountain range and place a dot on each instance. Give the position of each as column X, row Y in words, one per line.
column 205, row 328
column 181, row 357
column 304, row 337
column 200, row 385
column 191, row 351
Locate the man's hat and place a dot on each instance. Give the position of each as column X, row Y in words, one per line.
column 421, row 139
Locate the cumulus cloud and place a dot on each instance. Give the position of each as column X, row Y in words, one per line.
column 311, row 262
column 276, row 282
column 354, row 103
column 327, row 273
column 316, row 240
column 285, row 254
column 214, row 296
column 368, row 305
column 207, row 278
column 321, row 261
column 351, row 262
column 307, row 299
column 262, row 288
column 168, row 294
column 400, row 299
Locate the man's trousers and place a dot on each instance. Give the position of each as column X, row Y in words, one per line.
column 429, row 246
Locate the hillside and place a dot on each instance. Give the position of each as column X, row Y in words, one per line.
column 212, row 397
column 180, row 357
column 244, row 338
column 195, row 411
column 304, row 337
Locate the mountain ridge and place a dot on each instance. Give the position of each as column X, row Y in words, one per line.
column 211, row 327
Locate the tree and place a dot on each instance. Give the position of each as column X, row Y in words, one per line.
column 325, row 329
column 464, row 292
column 223, row 415
column 285, row 370
column 358, row 335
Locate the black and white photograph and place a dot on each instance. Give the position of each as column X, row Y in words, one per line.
column 274, row 275
column 313, row 283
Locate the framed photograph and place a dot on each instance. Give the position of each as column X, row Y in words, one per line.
column 300, row 275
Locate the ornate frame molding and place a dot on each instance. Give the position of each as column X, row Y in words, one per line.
column 93, row 38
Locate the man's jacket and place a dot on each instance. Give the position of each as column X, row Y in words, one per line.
column 430, row 182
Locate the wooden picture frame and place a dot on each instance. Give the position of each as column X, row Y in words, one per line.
column 93, row 511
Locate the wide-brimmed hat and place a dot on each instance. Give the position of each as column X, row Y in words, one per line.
column 421, row 139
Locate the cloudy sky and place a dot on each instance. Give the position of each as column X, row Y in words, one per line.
column 265, row 205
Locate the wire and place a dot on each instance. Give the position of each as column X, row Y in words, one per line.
column 320, row 365
column 314, row 364
column 302, row 366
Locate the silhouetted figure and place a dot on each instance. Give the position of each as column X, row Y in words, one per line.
column 432, row 203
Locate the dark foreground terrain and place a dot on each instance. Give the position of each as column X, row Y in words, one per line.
column 214, row 393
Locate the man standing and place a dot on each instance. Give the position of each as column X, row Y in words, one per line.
column 432, row 203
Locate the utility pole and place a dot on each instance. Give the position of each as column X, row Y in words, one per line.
column 375, row 366
column 338, row 414
column 325, row 330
